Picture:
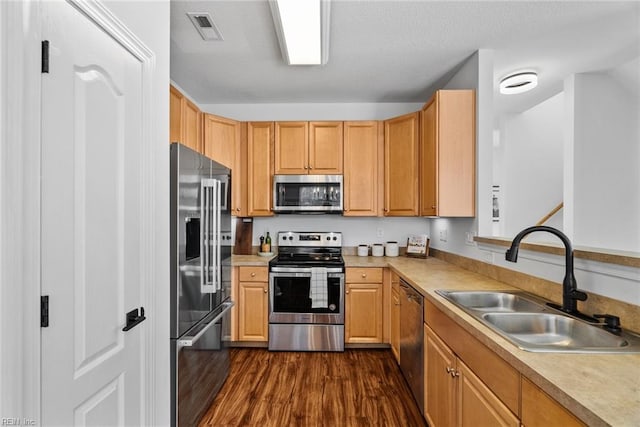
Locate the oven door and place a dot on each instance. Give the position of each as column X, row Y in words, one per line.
column 293, row 298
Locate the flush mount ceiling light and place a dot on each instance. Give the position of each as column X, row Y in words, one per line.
column 302, row 27
column 205, row 26
column 518, row 82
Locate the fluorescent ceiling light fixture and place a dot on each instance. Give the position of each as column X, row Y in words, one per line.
column 302, row 27
column 519, row 82
column 205, row 26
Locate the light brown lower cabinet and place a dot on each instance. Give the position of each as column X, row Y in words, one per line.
column 252, row 304
column 541, row 410
column 454, row 395
column 363, row 306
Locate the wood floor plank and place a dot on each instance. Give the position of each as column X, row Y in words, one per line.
column 354, row 388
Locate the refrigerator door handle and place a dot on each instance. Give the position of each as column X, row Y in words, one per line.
column 206, row 204
column 189, row 341
column 218, row 242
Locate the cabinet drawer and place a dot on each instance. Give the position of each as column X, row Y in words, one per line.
column 482, row 361
column 540, row 409
column 363, row 275
column 253, row 274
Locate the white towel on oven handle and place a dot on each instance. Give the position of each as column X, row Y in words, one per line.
column 318, row 291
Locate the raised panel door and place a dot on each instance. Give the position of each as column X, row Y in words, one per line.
column 325, row 148
column 363, row 311
column 259, row 168
column 253, row 322
column 220, row 138
column 175, row 115
column 291, row 148
column 539, row 409
column 191, row 125
column 428, row 161
column 439, row 386
column 477, row 405
column 395, row 324
column 401, row 165
column 362, row 169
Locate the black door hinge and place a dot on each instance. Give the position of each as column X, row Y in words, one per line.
column 45, row 56
column 44, row 311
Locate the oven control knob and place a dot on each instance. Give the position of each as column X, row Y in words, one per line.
column 290, row 237
column 328, row 238
column 284, row 237
column 335, row 238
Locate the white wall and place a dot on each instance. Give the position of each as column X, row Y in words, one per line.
column 154, row 33
column 606, row 163
column 355, row 231
column 310, row 112
column 449, row 234
column 532, row 144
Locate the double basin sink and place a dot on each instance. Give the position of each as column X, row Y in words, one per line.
column 531, row 325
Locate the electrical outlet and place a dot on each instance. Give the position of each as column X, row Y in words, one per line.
column 443, row 235
column 380, row 232
column 469, row 238
column 487, row 257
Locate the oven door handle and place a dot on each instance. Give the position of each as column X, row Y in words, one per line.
column 189, row 341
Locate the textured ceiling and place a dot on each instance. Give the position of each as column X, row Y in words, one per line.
column 397, row 51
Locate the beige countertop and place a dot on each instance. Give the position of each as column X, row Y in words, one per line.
column 600, row 389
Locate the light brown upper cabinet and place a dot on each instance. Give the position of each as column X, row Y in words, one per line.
column 221, row 136
column 259, row 166
column 447, row 155
column 363, row 154
column 308, row 148
column 401, row 165
column 185, row 121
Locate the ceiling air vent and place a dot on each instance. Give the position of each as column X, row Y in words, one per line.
column 205, row 26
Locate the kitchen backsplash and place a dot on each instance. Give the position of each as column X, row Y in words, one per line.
column 355, row 231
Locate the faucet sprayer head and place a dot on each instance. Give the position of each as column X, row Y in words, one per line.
column 512, row 254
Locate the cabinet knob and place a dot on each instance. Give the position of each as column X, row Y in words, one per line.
column 253, row 274
column 238, row 209
column 433, row 207
column 265, row 290
column 364, row 275
column 310, row 167
column 347, row 291
column 449, row 369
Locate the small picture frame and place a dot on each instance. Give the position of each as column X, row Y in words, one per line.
column 418, row 246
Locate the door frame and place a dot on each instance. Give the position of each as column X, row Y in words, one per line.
column 20, row 219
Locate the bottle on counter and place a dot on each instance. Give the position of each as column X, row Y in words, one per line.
column 267, row 242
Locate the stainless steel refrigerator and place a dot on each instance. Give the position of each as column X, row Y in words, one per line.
column 200, row 229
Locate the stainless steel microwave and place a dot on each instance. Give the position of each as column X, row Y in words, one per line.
column 307, row 193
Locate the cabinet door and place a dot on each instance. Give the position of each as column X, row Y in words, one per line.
column 325, row 148
column 401, row 166
column 221, row 137
column 539, row 409
column 259, row 168
column 456, row 153
column 291, row 148
column 363, row 311
column 439, row 386
column 253, row 321
column 477, row 405
column 428, row 161
column 395, row 324
column 175, row 115
column 191, row 125
column 362, row 169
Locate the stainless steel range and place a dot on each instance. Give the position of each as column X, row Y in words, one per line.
column 306, row 293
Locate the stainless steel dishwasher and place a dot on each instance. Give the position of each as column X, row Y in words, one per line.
column 412, row 341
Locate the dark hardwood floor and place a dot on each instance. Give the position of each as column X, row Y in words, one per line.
column 354, row 388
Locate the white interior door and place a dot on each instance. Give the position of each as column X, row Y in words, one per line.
column 91, row 219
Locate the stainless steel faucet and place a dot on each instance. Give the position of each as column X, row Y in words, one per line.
column 570, row 293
